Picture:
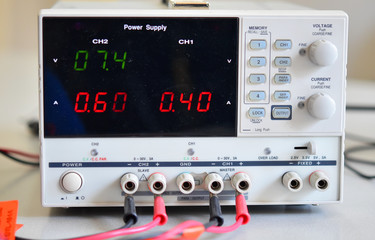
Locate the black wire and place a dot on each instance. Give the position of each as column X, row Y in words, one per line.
column 360, row 108
column 359, row 138
column 35, row 164
column 349, row 151
column 128, row 224
column 358, row 172
column 216, row 218
column 369, row 145
column 211, row 223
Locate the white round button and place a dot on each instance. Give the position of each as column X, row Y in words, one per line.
column 321, row 106
column 323, row 53
column 71, row 182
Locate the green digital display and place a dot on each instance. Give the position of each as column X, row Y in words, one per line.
column 82, row 58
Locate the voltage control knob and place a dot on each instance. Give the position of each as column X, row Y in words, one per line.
column 321, row 106
column 323, row 53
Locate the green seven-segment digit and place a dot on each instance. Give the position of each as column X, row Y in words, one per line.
column 86, row 54
column 120, row 60
column 105, row 58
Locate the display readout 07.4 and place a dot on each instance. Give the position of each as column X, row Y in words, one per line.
column 82, row 58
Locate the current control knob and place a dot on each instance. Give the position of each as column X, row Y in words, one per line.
column 71, row 181
column 321, row 106
column 323, row 53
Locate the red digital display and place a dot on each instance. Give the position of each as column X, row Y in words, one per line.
column 119, row 102
column 167, row 98
column 100, row 104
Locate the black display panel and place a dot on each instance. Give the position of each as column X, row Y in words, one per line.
column 140, row 77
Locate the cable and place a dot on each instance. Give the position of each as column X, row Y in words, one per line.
column 160, row 218
column 349, row 158
column 179, row 229
column 121, row 232
column 36, row 164
column 24, row 154
column 359, row 138
column 184, row 232
column 352, row 150
column 359, row 108
column 192, row 229
column 226, row 229
column 369, row 145
column 242, row 217
column 359, row 173
column 215, row 210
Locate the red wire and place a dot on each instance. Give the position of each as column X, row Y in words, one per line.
column 216, row 229
column 29, row 155
column 160, row 218
column 178, row 229
column 122, row 232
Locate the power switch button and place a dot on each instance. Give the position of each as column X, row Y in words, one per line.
column 71, row 181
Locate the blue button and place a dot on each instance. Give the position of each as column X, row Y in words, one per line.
column 283, row 61
column 282, row 78
column 257, row 78
column 281, row 95
column 283, row 44
column 257, row 61
column 256, row 112
column 258, row 44
column 257, row 95
column 281, row 112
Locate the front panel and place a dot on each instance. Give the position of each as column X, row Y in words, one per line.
column 197, row 93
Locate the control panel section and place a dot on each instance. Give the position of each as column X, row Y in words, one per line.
column 293, row 76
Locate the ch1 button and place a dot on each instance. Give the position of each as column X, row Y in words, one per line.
column 283, row 61
column 283, row 44
column 258, row 44
column 256, row 113
column 71, row 181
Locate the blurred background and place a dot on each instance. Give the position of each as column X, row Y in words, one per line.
column 18, row 28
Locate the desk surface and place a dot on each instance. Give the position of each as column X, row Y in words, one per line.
column 19, row 102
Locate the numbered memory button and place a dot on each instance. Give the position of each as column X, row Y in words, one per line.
column 257, row 78
column 258, row 44
column 257, row 95
column 257, row 61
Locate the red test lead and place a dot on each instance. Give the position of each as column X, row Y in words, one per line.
column 242, row 217
column 160, row 218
